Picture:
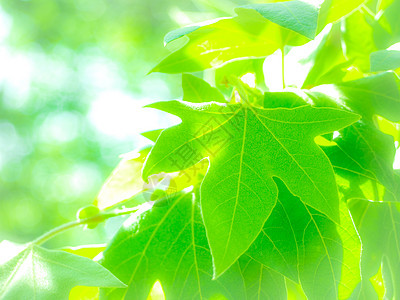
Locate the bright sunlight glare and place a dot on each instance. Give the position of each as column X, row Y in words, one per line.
column 396, row 164
column 120, row 115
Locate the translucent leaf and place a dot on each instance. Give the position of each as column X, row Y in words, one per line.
column 379, row 226
column 246, row 147
column 248, row 35
column 38, row 273
column 307, row 247
column 168, row 243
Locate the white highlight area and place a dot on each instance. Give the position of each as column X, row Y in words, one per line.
column 396, row 163
column 249, row 79
column 122, row 116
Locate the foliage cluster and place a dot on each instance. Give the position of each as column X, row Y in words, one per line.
column 261, row 191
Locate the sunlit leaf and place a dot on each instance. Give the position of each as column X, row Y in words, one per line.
column 379, row 226
column 307, row 247
column 246, row 146
column 177, row 33
column 248, row 35
column 358, row 39
column 389, row 128
column 197, row 90
column 333, row 10
column 124, row 182
column 240, row 68
column 38, row 273
column 89, row 251
column 168, row 243
column 377, row 94
column 261, row 282
column 84, row 293
column 284, row 14
column 363, row 152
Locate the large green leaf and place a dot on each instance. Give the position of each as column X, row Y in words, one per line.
column 168, row 243
column 379, row 226
column 246, row 147
column 247, row 35
column 304, row 245
column 38, row 273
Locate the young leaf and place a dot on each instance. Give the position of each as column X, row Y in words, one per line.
column 197, row 90
column 168, row 243
column 38, row 273
column 124, row 182
column 246, row 147
column 307, row 247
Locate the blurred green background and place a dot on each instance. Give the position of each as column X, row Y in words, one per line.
column 72, row 84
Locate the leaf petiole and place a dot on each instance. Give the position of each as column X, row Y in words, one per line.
column 100, row 217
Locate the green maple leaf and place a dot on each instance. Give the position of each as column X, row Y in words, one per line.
column 247, row 147
column 168, row 243
column 38, row 273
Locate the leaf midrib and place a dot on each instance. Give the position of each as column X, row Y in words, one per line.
column 238, row 184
